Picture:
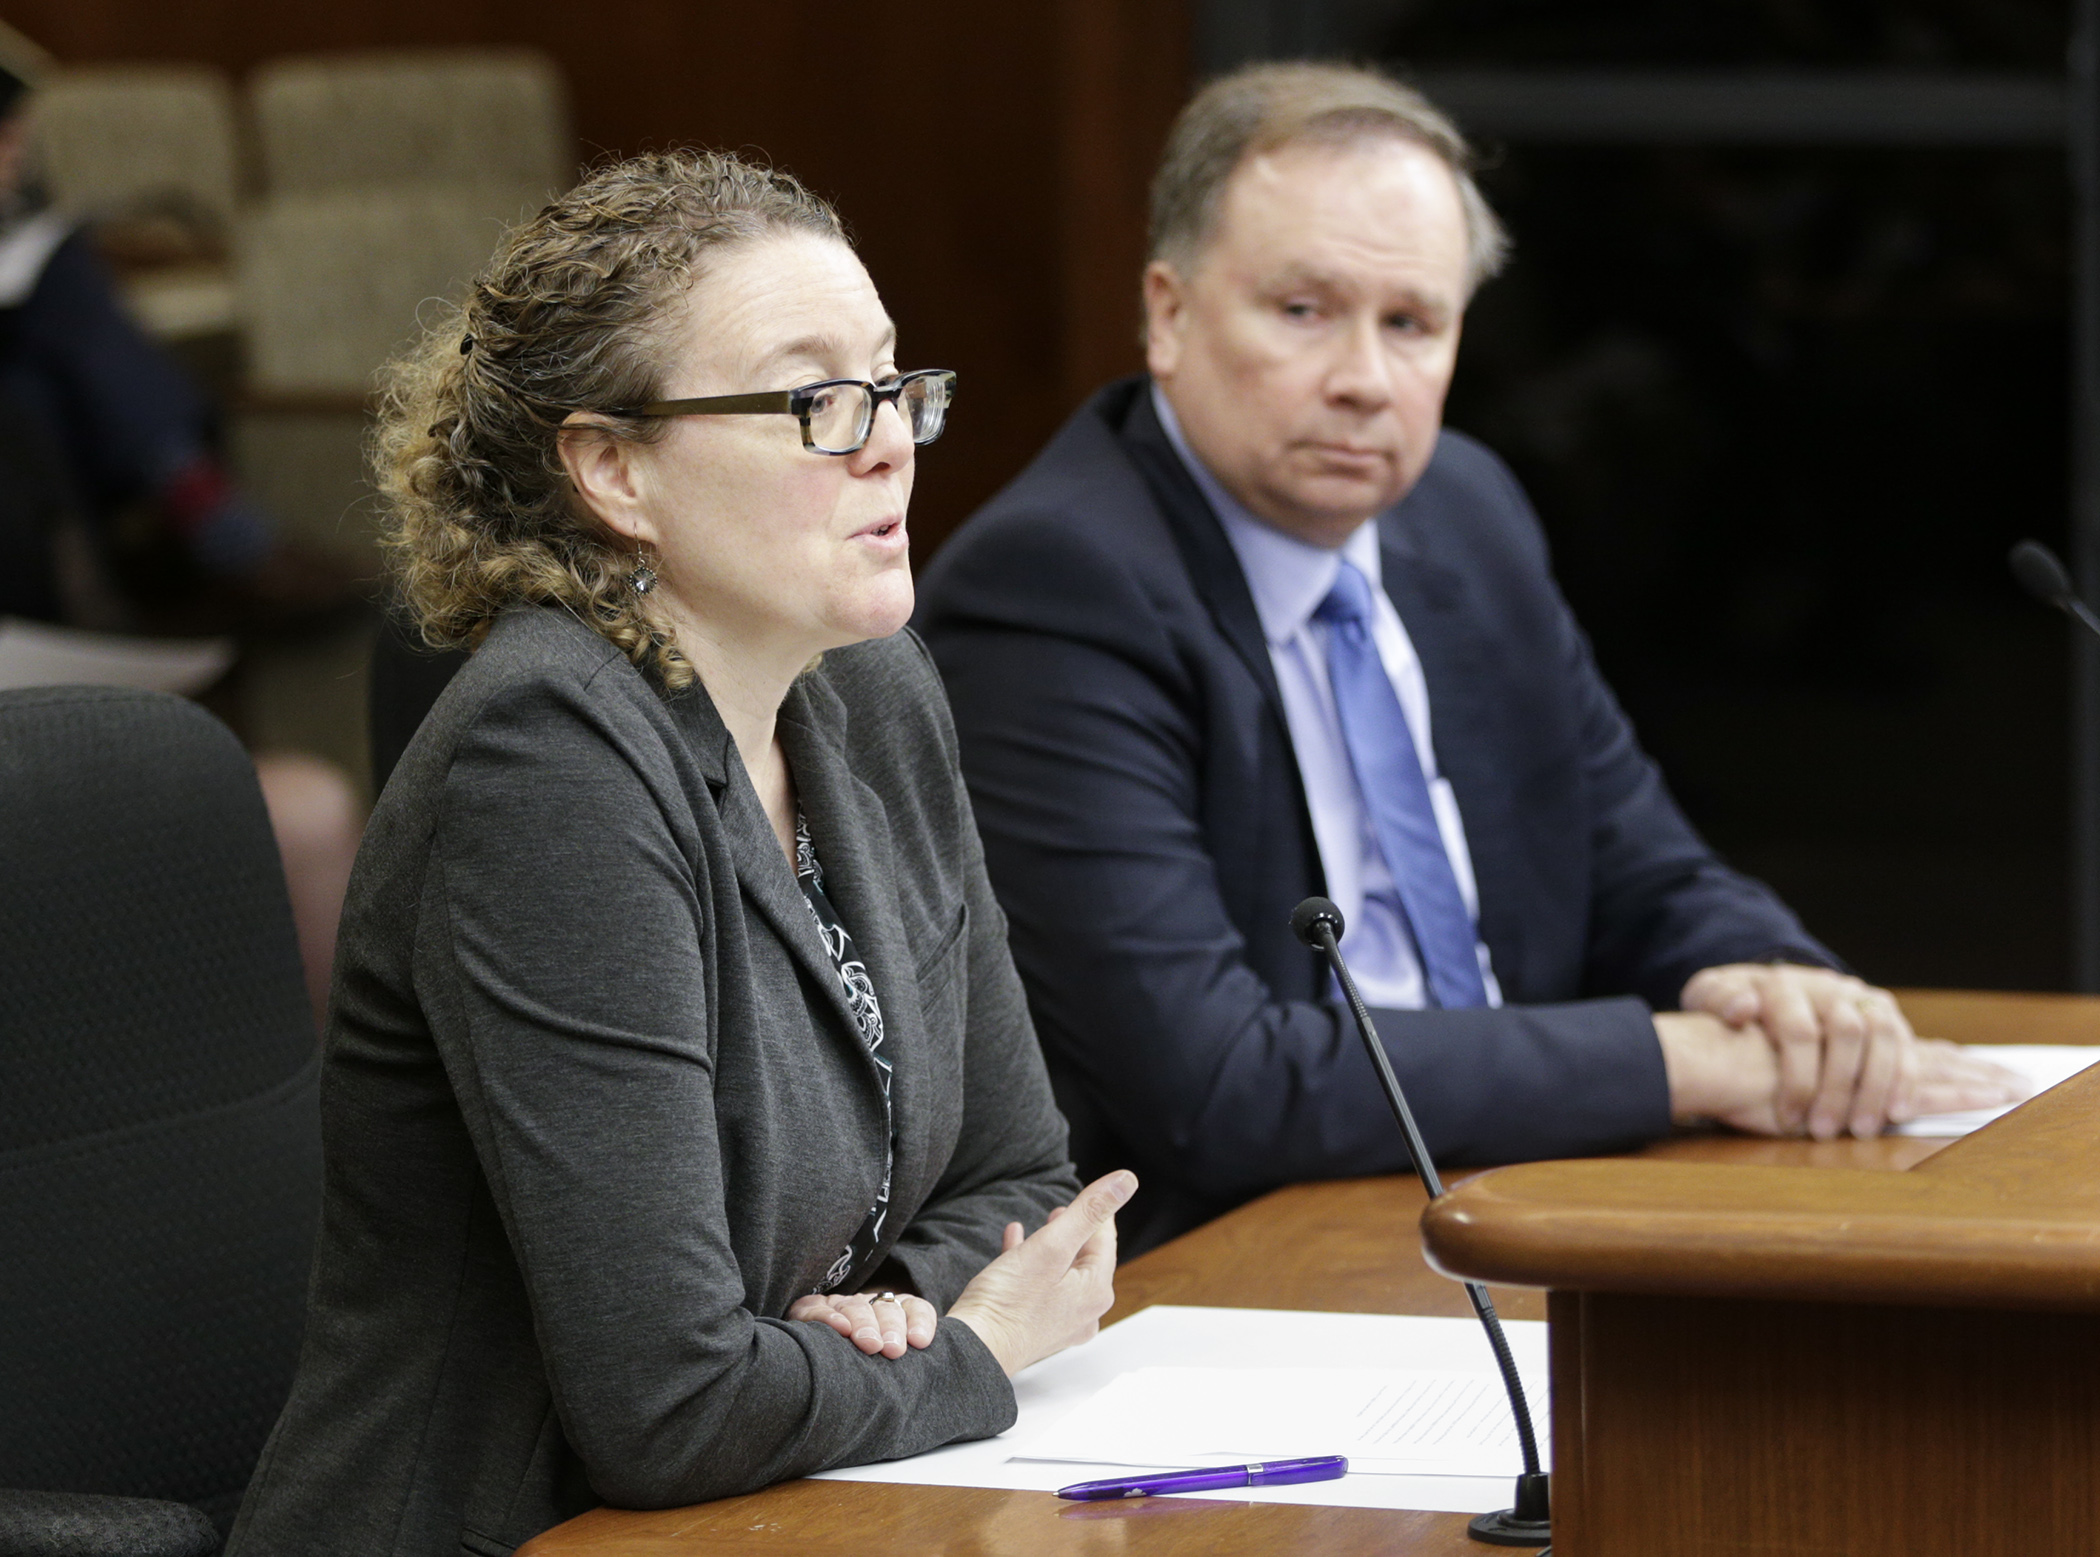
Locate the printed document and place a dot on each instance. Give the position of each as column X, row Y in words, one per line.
column 1269, row 1354
column 2043, row 1064
column 1388, row 1421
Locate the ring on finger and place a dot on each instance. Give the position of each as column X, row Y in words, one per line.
column 887, row 1297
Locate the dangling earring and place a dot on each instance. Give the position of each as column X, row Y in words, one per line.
column 642, row 579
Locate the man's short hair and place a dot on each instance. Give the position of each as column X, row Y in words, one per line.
column 1259, row 108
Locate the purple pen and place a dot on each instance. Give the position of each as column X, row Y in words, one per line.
column 1275, row 1473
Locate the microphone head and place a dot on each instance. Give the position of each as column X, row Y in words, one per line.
column 2042, row 574
column 1309, row 915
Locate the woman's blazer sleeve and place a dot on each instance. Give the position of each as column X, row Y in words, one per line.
column 558, row 962
column 1011, row 1161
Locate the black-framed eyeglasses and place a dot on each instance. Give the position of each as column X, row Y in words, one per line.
column 837, row 415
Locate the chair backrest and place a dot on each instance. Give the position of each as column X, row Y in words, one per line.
column 438, row 116
column 331, row 285
column 114, row 137
column 159, row 1139
column 403, row 685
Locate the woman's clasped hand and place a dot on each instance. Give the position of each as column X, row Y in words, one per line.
column 1042, row 1294
column 877, row 1322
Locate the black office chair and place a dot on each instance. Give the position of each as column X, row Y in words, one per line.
column 405, row 680
column 159, row 1138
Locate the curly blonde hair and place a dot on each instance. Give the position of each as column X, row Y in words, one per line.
column 574, row 312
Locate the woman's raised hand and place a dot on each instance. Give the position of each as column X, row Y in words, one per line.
column 1049, row 1291
column 884, row 1322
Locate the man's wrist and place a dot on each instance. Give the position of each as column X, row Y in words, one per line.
column 1682, row 1068
column 1719, row 1072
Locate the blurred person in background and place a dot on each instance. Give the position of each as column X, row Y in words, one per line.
column 103, row 436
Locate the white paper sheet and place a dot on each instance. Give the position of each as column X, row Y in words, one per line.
column 33, row 654
column 1387, row 1421
column 2042, row 1064
column 1239, row 1338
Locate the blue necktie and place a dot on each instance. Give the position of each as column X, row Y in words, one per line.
column 1396, row 795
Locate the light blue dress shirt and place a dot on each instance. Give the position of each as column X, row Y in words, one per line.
column 1288, row 579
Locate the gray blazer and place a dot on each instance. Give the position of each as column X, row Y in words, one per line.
column 595, row 1112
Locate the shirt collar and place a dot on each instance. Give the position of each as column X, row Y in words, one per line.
column 1287, row 577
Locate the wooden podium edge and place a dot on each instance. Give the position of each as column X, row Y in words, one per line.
column 2007, row 1218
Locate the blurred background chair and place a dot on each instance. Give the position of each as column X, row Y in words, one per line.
column 493, row 118
column 331, row 284
column 112, row 135
column 387, row 180
column 150, row 153
column 406, row 679
column 159, row 1142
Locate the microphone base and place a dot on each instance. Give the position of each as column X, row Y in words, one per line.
column 1529, row 1523
column 1504, row 1528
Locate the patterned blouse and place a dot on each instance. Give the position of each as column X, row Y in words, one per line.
column 867, row 1015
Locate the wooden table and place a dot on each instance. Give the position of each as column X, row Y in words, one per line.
column 1351, row 1246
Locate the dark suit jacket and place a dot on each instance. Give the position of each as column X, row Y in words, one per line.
column 1147, row 832
column 595, row 1109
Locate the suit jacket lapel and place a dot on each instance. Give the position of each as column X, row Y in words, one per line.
column 850, row 828
column 1456, row 664
column 762, row 869
column 1213, row 565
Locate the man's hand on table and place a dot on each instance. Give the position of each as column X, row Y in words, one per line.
column 1780, row 1050
column 1951, row 1080
column 1846, row 1057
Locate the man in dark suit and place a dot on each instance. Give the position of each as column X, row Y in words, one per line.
column 1254, row 627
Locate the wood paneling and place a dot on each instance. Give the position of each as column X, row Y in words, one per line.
column 1715, row 1428
column 991, row 160
column 1118, row 59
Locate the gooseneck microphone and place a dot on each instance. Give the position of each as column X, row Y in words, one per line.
column 1318, row 923
column 2043, row 575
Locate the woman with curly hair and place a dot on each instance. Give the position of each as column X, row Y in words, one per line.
column 682, row 1113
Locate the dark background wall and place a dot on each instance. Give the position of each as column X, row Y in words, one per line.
column 1785, row 412
column 1784, row 408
